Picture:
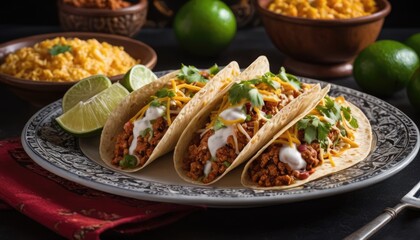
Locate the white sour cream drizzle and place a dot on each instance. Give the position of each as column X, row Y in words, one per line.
column 219, row 139
column 220, row 136
column 142, row 124
column 292, row 157
column 233, row 113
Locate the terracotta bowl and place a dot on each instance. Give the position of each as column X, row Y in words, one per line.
column 321, row 48
column 41, row 93
column 124, row 21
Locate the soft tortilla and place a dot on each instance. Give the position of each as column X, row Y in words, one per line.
column 139, row 98
column 350, row 157
column 287, row 114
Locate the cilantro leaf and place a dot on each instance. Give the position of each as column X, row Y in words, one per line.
column 332, row 109
column 164, row 92
column 155, row 103
column 191, row 74
column 255, row 97
column 146, row 131
column 323, row 130
column 213, row 70
column 129, row 161
column 218, row 124
column 289, row 78
column 267, row 78
column 314, row 129
column 245, row 90
column 58, row 49
column 238, row 91
column 303, row 123
column 310, row 134
column 353, row 122
column 350, row 118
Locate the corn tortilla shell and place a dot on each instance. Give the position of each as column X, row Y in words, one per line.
column 139, row 98
column 277, row 122
column 350, row 157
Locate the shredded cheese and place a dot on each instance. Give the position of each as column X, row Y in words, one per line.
column 179, row 100
column 231, row 122
column 190, row 87
column 256, row 127
column 140, row 113
column 243, row 131
column 349, row 141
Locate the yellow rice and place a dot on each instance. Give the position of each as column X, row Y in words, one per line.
column 86, row 58
column 324, row 9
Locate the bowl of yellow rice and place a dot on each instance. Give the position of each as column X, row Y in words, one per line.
column 39, row 69
column 321, row 38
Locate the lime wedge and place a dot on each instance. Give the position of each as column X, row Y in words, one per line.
column 138, row 76
column 84, row 89
column 87, row 118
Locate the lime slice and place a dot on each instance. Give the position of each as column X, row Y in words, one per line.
column 88, row 118
column 84, row 89
column 138, row 76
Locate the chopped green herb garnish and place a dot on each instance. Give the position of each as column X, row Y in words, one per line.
column 350, row 118
column 213, row 70
column 155, row 103
column 293, row 80
column 255, row 97
column 267, row 78
column 129, row 161
column 165, row 92
column 58, row 49
column 191, row 74
column 331, row 110
column 245, row 90
column 226, row 163
column 218, row 124
column 314, row 129
column 146, row 131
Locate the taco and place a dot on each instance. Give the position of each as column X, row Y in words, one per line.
column 147, row 123
column 329, row 136
column 240, row 120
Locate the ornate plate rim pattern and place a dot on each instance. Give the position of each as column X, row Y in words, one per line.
column 395, row 146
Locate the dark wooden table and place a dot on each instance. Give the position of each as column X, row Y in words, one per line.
column 326, row 218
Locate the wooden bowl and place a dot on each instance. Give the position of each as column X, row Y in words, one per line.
column 321, row 48
column 124, row 21
column 41, row 93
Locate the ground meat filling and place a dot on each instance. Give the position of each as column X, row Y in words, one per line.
column 145, row 145
column 268, row 170
column 198, row 153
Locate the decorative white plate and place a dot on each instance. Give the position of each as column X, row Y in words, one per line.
column 396, row 143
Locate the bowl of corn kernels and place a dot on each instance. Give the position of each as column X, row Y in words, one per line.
column 320, row 38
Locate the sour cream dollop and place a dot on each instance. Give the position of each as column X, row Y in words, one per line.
column 144, row 123
column 220, row 136
column 292, row 157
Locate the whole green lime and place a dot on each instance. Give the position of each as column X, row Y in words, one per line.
column 204, row 27
column 385, row 67
column 413, row 89
column 413, row 41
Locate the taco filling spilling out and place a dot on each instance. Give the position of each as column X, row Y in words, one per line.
column 322, row 135
column 246, row 107
column 143, row 131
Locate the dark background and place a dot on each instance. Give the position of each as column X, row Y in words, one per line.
column 44, row 12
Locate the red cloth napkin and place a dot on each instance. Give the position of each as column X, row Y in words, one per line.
column 72, row 210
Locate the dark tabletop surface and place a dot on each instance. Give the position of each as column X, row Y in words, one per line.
column 325, row 218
